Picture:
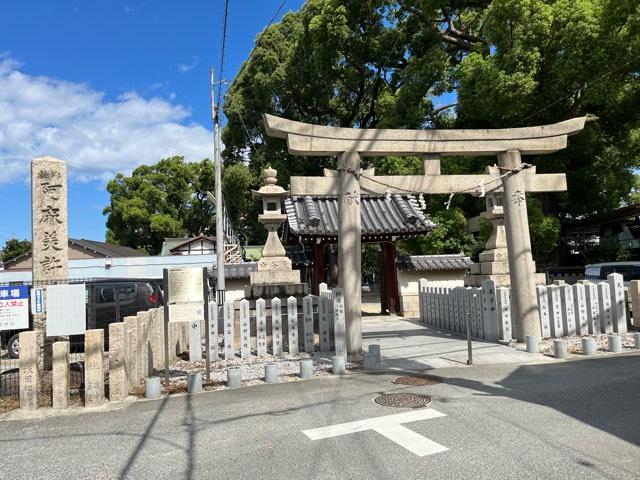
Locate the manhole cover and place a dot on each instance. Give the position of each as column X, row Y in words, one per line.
column 403, row 400
column 417, row 381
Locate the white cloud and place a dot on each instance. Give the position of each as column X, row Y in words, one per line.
column 187, row 67
column 97, row 137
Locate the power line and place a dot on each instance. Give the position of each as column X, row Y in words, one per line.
column 222, row 49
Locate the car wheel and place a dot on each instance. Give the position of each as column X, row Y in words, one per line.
column 13, row 346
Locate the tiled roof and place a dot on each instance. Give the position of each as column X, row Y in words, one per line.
column 433, row 262
column 318, row 216
column 106, row 249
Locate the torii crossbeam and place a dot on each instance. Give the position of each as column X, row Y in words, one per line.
column 351, row 144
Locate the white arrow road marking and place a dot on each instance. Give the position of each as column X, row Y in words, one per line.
column 390, row 427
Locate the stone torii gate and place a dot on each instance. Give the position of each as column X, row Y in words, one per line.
column 350, row 144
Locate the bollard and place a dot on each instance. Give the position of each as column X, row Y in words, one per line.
column 152, row 387
column 271, row 373
column 194, row 382
column 306, row 368
column 560, row 348
column 588, row 346
column 615, row 343
column 532, row 344
column 234, row 377
column 370, row 361
column 636, row 341
column 375, row 348
column 338, row 366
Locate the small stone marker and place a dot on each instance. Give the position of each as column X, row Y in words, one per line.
column 143, row 345
column 306, row 368
column 195, row 341
column 580, row 302
column 634, row 295
column 261, row 327
column 478, row 304
column 555, row 310
column 504, row 314
column 604, row 298
column 588, row 346
column 271, row 374
column 94, row 368
column 234, row 377
column 324, row 324
column 422, row 289
column 276, row 326
column 194, row 382
column 156, row 332
column 568, row 310
column 338, row 365
column 152, row 388
column 292, row 317
column 307, row 316
column 229, row 329
column 339, row 323
column 213, row 332
column 60, row 374
column 618, row 310
column 543, row 308
column 593, row 308
column 118, row 382
column 532, row 344
column 29, row 374
column 245, row 329
column 131, row 358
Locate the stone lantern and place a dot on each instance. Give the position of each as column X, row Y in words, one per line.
column 274, row 268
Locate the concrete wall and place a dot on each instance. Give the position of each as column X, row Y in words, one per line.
column 408, row 286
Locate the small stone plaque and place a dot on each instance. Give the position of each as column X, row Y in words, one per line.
column 568, row 309
column 261, row 327
column 606, row 316
column 555, row 311
column 276, row 326
column 339, row 323
column 593, row 309
column 324, row 323
column 229, row 330
column 307, row 315
column 292, row 317
column 245, row 329
column 504, row 314
column 618, row 310
column 543, row 307
column 580, row 301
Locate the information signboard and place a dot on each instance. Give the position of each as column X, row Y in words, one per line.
column 186, row 312
column 185, row 285
column 14, row 307
column 66, row 310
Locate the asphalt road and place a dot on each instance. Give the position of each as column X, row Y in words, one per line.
column 578, row 419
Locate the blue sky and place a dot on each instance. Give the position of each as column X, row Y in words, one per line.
column 106, row 86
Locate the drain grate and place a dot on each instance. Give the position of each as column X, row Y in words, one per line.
column 417, row 381
column 403, row 400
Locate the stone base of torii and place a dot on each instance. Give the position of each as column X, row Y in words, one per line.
column 349, row 145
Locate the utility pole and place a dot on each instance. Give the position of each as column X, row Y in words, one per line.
column 217, row 158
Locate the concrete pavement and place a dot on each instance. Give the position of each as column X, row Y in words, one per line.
column 408, row 345
column 552, row 420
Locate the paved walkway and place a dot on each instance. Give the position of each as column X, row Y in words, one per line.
column 409, row 345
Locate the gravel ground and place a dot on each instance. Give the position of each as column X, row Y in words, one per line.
column 252, row 369
column 575, row 343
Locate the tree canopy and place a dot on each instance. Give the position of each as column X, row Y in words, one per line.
column 169, row 199
column 13, row 248
column 503, row 63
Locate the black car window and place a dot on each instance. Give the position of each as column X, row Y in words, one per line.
column 126, row 292
column 106, row 295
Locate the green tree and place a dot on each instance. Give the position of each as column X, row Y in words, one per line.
column 14, row 248
column 385, row 63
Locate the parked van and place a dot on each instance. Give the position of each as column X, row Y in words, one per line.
column 108, row 301
column 598, row 272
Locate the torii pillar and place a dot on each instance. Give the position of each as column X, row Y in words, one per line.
column 350, row 144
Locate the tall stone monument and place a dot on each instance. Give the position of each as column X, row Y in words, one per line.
column 274, row 277
column 49, row 242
